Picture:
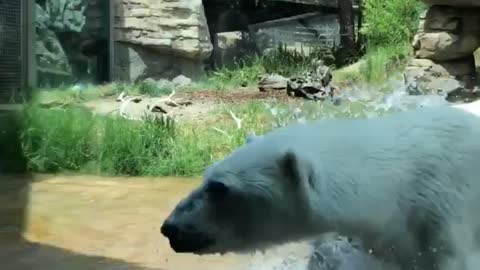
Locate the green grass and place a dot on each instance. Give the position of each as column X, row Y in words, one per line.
column 390, row 22
column 71, row 138
column 66, row 96
column 75, row 140
column 376, row 66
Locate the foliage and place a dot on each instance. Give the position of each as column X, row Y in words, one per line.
column 381, row 62
column 281, row 60
column 288, row 62
column 390, row 22
column 375, row 67
column 74, row 139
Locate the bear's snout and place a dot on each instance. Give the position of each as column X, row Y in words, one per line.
column 169, row 230
column 185, row 239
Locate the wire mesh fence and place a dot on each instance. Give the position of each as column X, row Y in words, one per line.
column 10, row 49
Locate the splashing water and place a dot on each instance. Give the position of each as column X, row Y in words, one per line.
column 287, row 257
column 370, row 103
column 355, row 102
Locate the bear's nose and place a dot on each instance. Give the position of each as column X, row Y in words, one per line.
column 169, row 230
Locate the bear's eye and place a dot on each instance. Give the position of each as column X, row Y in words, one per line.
column 217, row 190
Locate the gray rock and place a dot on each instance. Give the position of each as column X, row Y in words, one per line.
column 164, row 83
column 136, row 63
column 181, row 81
column 150, row 81
column 270, row 82
column 421, row 81
column 176, row 27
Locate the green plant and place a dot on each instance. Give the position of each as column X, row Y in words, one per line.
column 245, row 73
column 73, row 139
column 290, row 62
column 390, row 22
column 375, row 67
column 55, row 140
column 380, row 63
column 281, row 60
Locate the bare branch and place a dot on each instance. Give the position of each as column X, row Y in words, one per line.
column 237, row 120
column 125, row 103
column 169, row 99
column 222, row 131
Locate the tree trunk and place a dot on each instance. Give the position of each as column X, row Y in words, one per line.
column 360, row 37
column 347, row 28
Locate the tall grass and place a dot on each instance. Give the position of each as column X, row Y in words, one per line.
column 380, row 63
column 376, row 66
column 76, row 140
column 390, row 22
column 65, row 96
column 281, row 60
column 73, row 139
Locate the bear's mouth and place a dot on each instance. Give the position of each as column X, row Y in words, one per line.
column 191, row 243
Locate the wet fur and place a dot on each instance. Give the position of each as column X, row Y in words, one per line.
column 398, row 182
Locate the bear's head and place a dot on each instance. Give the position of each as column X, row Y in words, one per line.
column 251, row 200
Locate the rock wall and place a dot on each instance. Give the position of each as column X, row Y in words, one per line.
column 159, row 39
column 63, row 28
column 448, row 35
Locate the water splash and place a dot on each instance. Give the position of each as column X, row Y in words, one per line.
column 287, row 257
column 356, row 102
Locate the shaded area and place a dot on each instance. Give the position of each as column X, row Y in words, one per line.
column 16, row 252
column 14, row 179
column 21, row 255
column 72, row 42
column 10, row 49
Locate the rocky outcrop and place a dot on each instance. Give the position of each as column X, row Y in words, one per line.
column 448, row 35
column 160, row 38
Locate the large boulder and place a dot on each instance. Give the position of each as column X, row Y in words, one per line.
column 448, row 35
column 160, row 35
column 444, row 46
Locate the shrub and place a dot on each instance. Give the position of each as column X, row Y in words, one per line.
column 390, row 22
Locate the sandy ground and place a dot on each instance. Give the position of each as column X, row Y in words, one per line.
column 202, row 102
column 85, row 222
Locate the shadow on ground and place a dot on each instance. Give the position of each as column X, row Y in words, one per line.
column 17, row 253
column 21, row 255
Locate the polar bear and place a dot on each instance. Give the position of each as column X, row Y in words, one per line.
column 400, row 183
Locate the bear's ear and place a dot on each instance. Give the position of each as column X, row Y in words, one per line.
column 252, row 137
column 292, row 167
column 217, row 190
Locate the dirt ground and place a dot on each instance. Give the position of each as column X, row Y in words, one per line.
column 202, row 102
column 89, row 222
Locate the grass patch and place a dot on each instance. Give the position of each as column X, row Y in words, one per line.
column 245, row 74
column 390, row 22
column 376, row 66
column 66, row 96
column 69, row 95
column 74, row 139
column 281, row 60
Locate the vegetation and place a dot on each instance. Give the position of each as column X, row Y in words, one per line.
column 74, row 139
column 390, row 22
column 376, row 66
column 71, row 138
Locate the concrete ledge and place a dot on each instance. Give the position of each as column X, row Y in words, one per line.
column 457, row 3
